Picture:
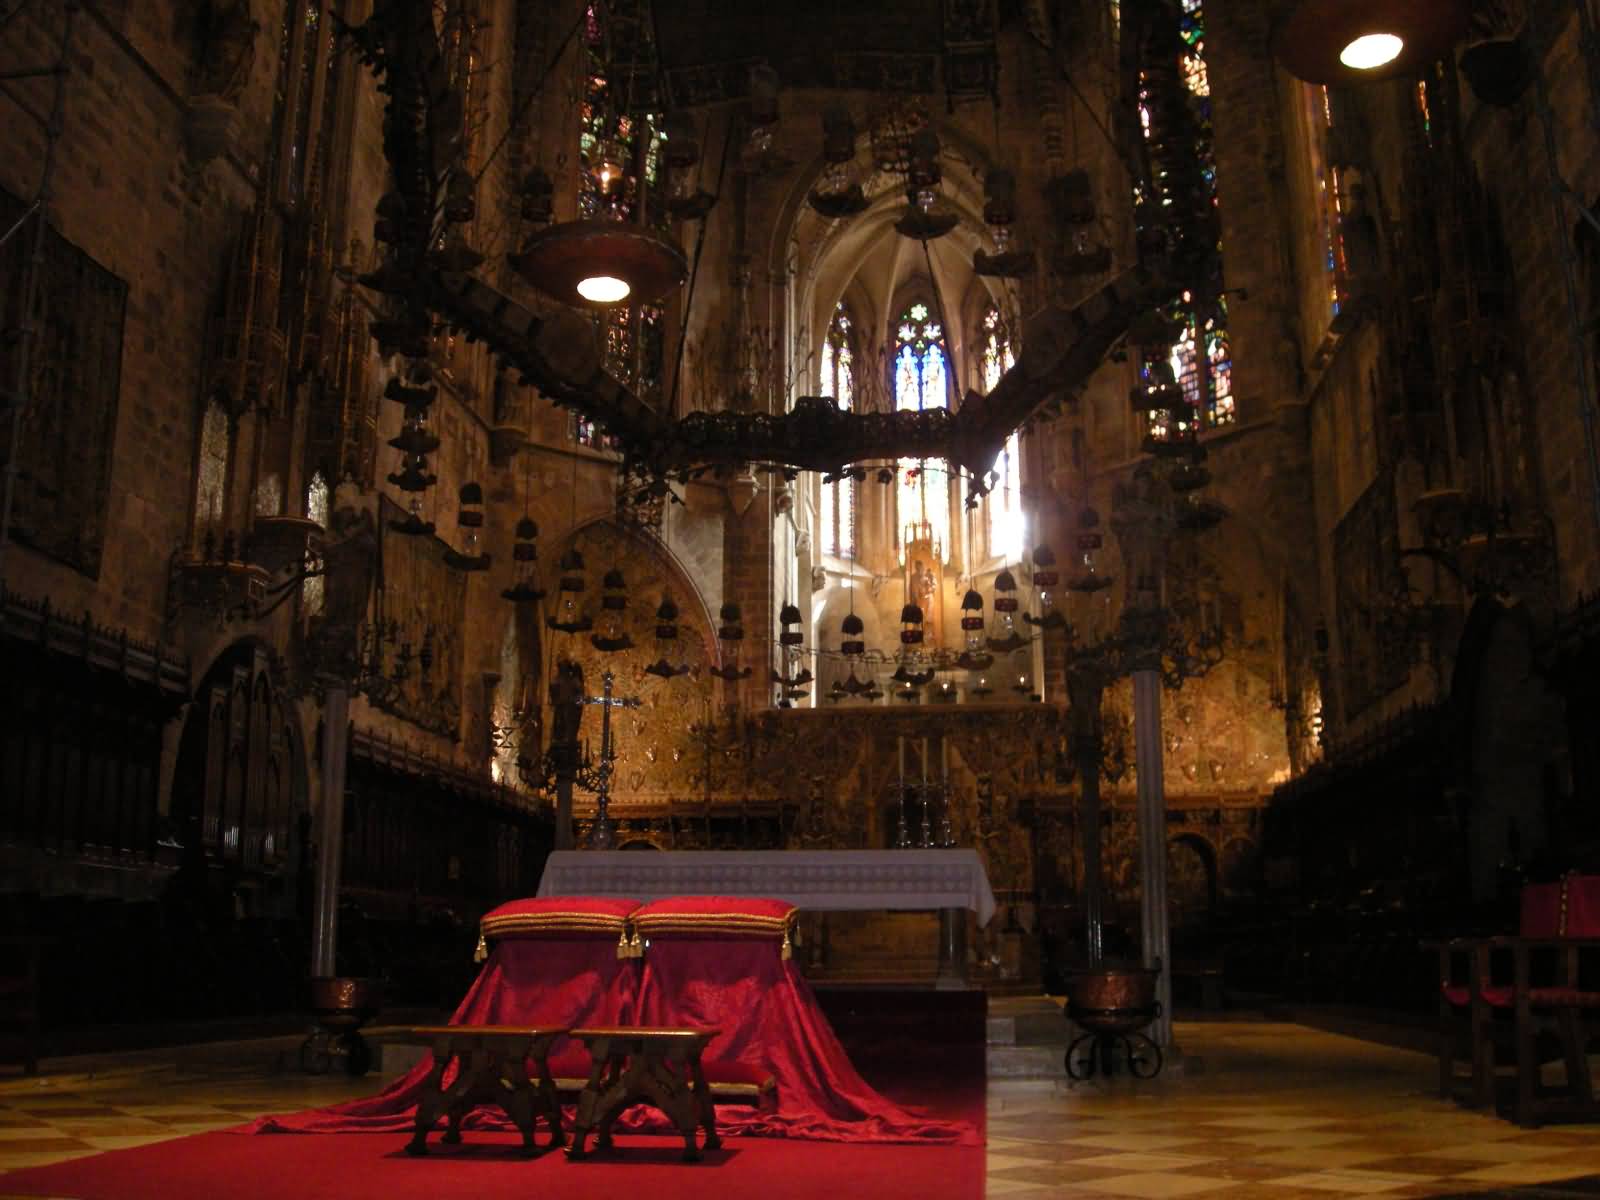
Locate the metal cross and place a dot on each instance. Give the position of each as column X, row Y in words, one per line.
column 601, row 836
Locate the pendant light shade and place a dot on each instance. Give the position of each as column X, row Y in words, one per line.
column 1350, row 41
column 597, row 263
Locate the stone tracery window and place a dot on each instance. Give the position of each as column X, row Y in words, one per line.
column 1003, row 519
column 836, row 510
column 921, row 381
column 1327, row 178
column 318, row 505
column 211, row 475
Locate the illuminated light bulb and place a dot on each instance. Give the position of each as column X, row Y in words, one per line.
column 1046, row 602
column 925, row 198
column 1371, row 51
column 1002, row 237
column 569, row 609
column 975, row 640
column 603, row 289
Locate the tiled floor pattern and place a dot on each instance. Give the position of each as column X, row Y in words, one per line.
column 1264, row 1112
column 1274, row 1112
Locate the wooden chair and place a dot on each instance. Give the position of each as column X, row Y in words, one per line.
column 1526, row 1000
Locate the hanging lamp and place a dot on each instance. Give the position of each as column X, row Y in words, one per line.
column 974, row 657
column 1003, row 637
column 525, row 553
column 1046, row 579
column 666, row 637
column 612, row 635
column 470, row 520
column 1352, row 41
column 731, row 634
column 570, row 616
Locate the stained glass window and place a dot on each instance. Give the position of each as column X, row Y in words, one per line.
column 1205, row 376
column 1003, row 518
column 921, row 382
column 211, row 478
column 1330, row 189
column 317, row 505
column 836, row 510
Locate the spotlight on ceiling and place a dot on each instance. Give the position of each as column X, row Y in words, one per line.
column 1353, row 41
column 1371, row 51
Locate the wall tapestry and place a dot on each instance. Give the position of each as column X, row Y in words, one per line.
column 422, row 608
column 74, row 376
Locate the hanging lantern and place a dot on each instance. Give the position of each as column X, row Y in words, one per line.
column 911, row 625
column 924, row 220
column 851, row 645
column 1046, row 579
column 666, row 638
column 999, row 213
column 525, row 553
column 1003, row 637
column 612, row 634
column 538, row 197
column 470, row 519
column 731, row 634
column 789, row 639
column 1090, row 609
column 570, row 616
column 838, row 192
column 974, row 657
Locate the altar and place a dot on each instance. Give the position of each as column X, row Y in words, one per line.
column 950, row 882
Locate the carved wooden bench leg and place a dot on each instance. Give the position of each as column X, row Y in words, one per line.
column 702, row 1098
column 431, row 1105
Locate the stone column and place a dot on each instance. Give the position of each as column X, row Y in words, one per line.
column 330, row 830
column 1085, row 686
column 1156, row 939
column 349, row 563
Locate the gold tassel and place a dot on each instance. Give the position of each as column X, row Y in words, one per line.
column 787, row 948
column 623, row 950
column 482, row 952
column 636, row 950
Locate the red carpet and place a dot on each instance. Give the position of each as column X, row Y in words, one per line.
column 943, row 1074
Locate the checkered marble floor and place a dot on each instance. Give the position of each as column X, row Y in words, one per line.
column 1262, row 1112
column 1274, row 1112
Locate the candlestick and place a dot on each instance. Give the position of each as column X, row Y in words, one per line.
column 924, row 764
column 901, row 742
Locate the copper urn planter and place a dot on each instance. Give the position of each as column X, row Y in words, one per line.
column 1112, row 1005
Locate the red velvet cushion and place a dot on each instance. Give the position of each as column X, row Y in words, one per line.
column 1498, row 995
column 715, row 916
column 1583, row 906
column 590, row 916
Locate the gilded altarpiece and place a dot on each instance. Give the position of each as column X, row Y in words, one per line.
column 422, row 610
column 74, row 378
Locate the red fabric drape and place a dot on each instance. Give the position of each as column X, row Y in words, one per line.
column 569, row 981
column 769, row 1019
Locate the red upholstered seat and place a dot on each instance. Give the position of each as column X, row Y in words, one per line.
column 1497, row 995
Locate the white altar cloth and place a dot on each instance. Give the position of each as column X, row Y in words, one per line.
column 832, row 880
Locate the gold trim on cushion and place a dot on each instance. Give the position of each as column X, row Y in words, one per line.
column 569, row 921
column 649, row 924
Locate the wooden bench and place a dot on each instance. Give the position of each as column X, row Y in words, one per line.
column 659, row 1066
column 493, row 1069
